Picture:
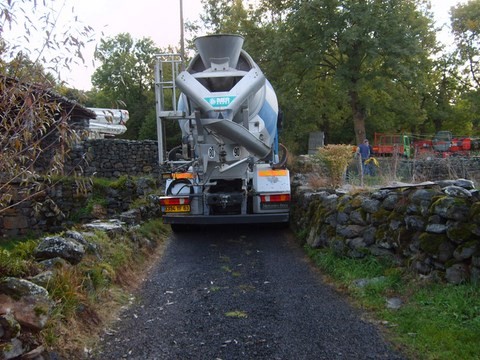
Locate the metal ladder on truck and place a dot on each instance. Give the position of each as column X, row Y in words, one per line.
column 167, row 68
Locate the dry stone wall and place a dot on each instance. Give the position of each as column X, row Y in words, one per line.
column 433, row 228
column 109, row 158
column 60, row 205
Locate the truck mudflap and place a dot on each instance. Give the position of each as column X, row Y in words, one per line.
column 225, row 219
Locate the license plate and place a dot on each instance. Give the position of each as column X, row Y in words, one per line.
column 177, row 208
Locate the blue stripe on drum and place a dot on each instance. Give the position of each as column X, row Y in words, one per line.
column 269, row 111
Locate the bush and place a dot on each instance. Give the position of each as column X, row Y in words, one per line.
column 335, row 159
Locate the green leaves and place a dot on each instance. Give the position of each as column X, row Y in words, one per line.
column 126, row 76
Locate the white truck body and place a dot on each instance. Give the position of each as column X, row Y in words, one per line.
column 228, row 169
column 108, row 123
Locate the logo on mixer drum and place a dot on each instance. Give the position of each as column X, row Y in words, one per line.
column 219, row 101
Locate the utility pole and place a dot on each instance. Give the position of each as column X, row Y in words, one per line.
column 182, row 39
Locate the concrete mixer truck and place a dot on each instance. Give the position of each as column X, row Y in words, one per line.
column 230, row 168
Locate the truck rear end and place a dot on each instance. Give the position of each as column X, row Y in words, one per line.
column 230, row 167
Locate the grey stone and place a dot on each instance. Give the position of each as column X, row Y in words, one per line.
column 369, row 235
column 457, row 191
column 380, row 194
column 445, row 183
column 370, row 205
column 350, row 231
column 131, row 217
column 380, row 251
column 441, row 206
column 356, row 254
column 412, row 209
column 436, row 228
column 356, row 243
column 53, row 263
column 77, row 236
column 458, row 232
column 391, row 201
column 42, row 279
column 464, row 183
column 448, row 208
column 445, row 251
column 342, row 218
column 394, row 303
column 457, row 274
column 113, row 226
column 466, row 251
column 475, row 275
column 331, row 219
column 9, row 327
column 338, row 247
column 56, row 246
column 395, row 225
column 357, row 217
column 12, row 350
column 415, row 223
column 18, row 288
column 421, row 267
column 420, row 196
column 362, row 283
column 28, row 302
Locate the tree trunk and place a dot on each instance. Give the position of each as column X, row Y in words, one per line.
column 358, row 114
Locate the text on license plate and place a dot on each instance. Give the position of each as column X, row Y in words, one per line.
column 177, row 208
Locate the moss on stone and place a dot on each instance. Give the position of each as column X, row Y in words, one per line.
column 459, row 233
column 356, row 202
column 475, row 212
column 430, row 243
column 380, row 216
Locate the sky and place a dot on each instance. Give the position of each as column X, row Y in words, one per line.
column 160, row 21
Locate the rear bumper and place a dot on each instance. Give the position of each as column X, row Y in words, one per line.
column 226, row 219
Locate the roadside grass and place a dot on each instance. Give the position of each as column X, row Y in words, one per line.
column 436, row 320
column 89, row 296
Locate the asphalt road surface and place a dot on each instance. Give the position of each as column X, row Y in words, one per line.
column 240, row 292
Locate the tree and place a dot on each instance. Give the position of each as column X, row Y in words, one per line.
column 358, row 42
column 466, row 29
column 33, row 118
column 126, row 76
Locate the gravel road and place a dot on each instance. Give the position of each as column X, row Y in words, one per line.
column 240, row 293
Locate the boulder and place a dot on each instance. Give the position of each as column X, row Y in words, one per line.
column 457, row 191
column 464, row 183
column 26, row 301
column 56, row 246
column 112, row 226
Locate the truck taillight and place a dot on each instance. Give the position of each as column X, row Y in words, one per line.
column 273, row 198
column 174, row 201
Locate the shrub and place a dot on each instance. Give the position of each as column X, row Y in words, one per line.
column 335, row 159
